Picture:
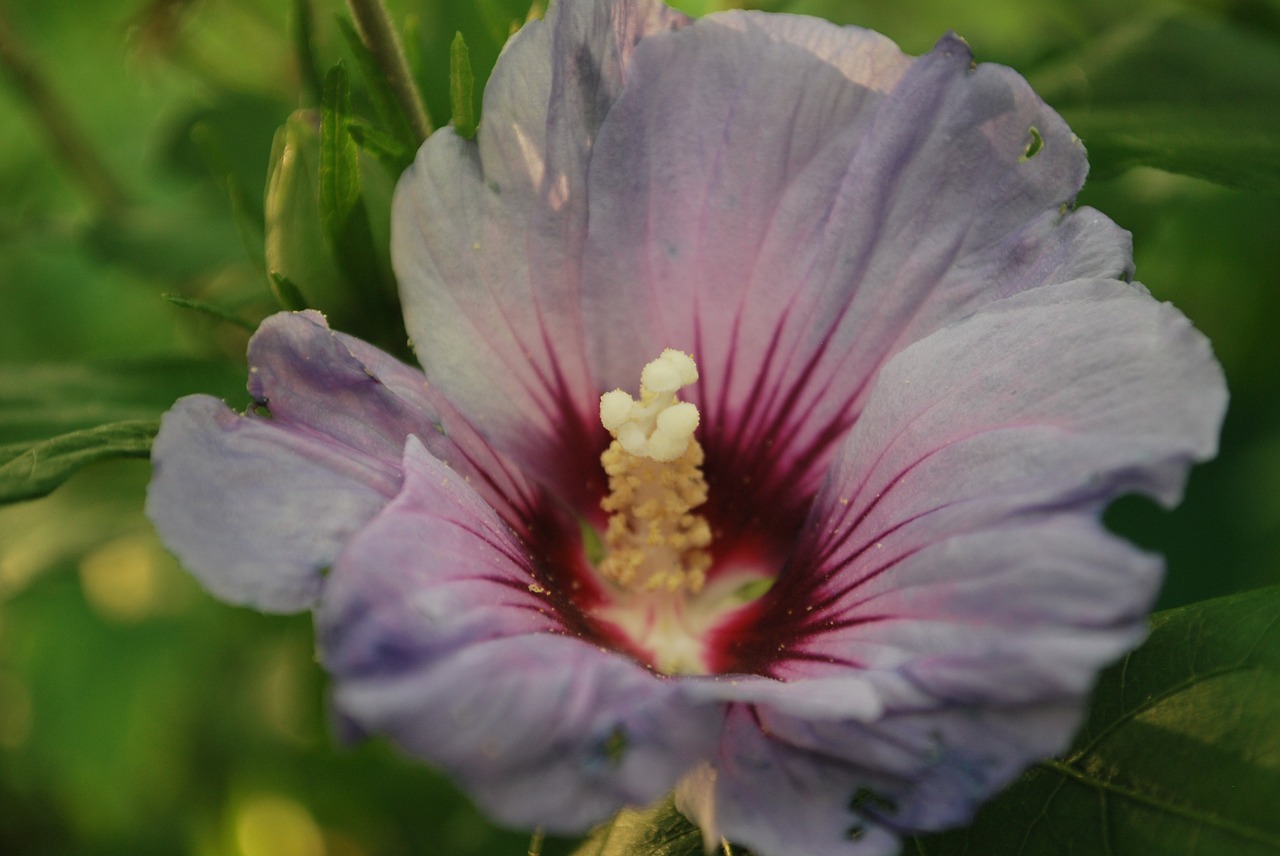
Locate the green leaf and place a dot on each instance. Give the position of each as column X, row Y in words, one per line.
column 56, row 419
column 391, row 113
column 389, row 151
column 207, row 308
column 1180, row 753
column 342, row 208
column 657, row 831
column 29, row 470
column 461, row 88
column 287, row 294
column 1184, row 95
column 339, row 165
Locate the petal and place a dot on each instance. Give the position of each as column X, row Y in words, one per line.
column 255, row 512
column 258, row 507
column 808, row 788
column 1037, row 411
column 443, row 632
column 317, row 380
column 815, row 204
column 956, row 561
column 487, row 238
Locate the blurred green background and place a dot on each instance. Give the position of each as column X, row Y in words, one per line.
column 137, row 715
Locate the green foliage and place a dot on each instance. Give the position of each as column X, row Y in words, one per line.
column 1187, row 95
column 287, row 293
column 1180, row 754
column 154, row 733
column 29, row 470
column 347, row 217
column 398, row 141
column 340, row 205
column 210, row 309
column 54, row 420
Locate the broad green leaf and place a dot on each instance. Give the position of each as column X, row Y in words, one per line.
column 461, row 85
column 1180, row 754
column 56, row 419
column 657, row 831
column 29, row 470
column 1183, row 95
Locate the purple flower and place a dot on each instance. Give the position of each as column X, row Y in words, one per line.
column 869, row 589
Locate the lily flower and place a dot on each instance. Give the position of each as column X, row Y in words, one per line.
column 772, row 391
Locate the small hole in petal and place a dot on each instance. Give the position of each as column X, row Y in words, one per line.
column 615, row 747
column 868, row 799
column 1035, row 143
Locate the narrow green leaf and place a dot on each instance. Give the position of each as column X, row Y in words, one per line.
column 461, row 85
column 1180, row 754
column 339, row 166
column 30, row 470
column 209, row 309
column 56, row 419
column 1185, row 95
column 288, row 295
column 342, row 209
column 391, row 113
column 389, row 151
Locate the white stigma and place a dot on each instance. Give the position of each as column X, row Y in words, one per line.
column 657, row 426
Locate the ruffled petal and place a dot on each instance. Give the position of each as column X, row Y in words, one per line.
column 487, row 238
column 816, row 203
column 805, row 787
column 258, row 507
column 956, row 562
column 442, row 631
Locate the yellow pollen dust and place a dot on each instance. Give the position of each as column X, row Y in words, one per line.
column 654, row 541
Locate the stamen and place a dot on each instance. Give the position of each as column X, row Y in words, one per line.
column 654, row 542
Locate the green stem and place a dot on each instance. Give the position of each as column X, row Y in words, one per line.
column 535, row 843
column 56, row 122
column 374, row 26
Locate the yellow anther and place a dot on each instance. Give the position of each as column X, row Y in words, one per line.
column 657, row 426
column 654, row 542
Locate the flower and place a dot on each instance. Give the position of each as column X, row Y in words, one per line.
column 841, row 574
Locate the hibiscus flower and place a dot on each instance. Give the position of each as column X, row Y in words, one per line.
column 835, row 569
